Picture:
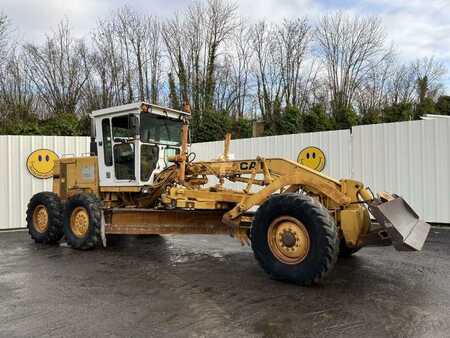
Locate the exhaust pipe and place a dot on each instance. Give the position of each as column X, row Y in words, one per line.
column 405, row 228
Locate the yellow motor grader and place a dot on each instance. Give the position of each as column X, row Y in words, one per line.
column 141, row 179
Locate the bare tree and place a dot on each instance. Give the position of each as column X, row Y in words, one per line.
column 17, row 99
column 285, row 73
column 207, row 56
column 3, row 37
column 142, row 33
column 428, row 73
column 350, row 47
column 268, row 78
column 126, row 60
column 58, row 69
column 133, row 32
column 174, row 31
column 153, row 62
column 373, row 91
column 415, row 81
column 225, row 92
column 293, row 42
column 193, row 40
column 234, row 71
column 402, row 84
column 220, row 24
column 108, row 64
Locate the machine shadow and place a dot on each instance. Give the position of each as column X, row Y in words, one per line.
column 221, row 267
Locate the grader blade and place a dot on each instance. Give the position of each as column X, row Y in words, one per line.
column 407, row 231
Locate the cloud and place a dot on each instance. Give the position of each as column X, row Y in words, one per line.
column 276, row 10
column 34, row 19
column 416, row 28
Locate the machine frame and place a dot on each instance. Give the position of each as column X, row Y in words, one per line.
column 286, row 210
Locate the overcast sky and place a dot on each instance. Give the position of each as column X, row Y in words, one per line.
column 416, row 27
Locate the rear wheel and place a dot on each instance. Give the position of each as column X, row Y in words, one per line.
column 294, row 239
column 45, row 218
column 82, row 221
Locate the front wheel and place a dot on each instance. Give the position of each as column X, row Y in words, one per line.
column 82, row 221
column 294, row 239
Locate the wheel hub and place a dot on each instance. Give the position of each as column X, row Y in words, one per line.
column 79, row 222
column 288, row 240
column 40, row 218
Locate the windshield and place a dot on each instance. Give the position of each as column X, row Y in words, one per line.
column 160, row 129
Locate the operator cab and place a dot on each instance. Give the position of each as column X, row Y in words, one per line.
column 134, row 142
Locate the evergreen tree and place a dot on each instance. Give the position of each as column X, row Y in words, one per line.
column 291, row 121
column 443, row 105
column 212, row 126
column 398, row 112
column 317, row 119
column 426, row 106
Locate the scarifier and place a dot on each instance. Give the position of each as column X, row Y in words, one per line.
column 141, row 179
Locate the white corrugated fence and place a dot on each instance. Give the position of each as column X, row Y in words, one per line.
column 17, row 184
column 335, row 144
column 411, row 159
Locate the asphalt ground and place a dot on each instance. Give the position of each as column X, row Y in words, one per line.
column 211, row 286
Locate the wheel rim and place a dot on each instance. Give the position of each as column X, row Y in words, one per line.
column 288, row 240
column 79, row 222
column 40, row 218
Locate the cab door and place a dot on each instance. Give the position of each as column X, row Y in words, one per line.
column 124, row 149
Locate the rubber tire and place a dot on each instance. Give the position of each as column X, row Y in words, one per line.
column 323, row 234
column 93, row 206
column 345, row 251
column 55, row 208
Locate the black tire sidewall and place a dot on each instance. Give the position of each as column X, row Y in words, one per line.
column 315, row 218
column 54, row 207
column 92, row 205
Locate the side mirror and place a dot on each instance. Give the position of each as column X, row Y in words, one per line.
column 133, row 126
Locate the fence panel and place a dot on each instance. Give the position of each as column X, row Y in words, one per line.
column 18, row 185
column 411, row 159
column 335, row 145
column 408, row 158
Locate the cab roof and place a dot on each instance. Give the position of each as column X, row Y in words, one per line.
column 136, row 108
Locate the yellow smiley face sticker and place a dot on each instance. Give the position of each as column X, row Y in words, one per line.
column 312, row 157
column 40, row 163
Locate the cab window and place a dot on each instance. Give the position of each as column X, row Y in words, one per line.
column 170, row 152
column 121, row 128
column 107, row 147
column 159, row 129
column 149, row 160
column 124, row 161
